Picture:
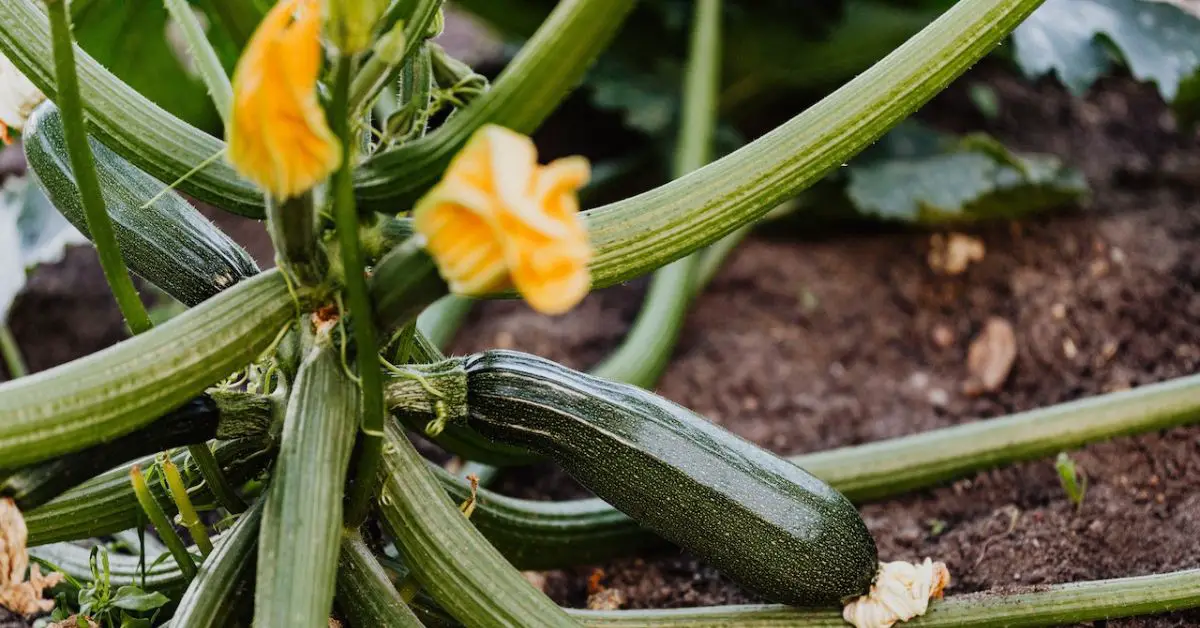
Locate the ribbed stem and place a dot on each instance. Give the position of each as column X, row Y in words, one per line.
column 644, row 354
column 84, row 166
column 365, row 593
column 207, row 64
column 106, row 504
column 220, row 485
column 209, row 601
column 292, row 224
column 550, row 64
column 450, row 559
column 302, row 517
column 162, row 524
column 390, row 52
column 639, row 234
column 1053, row 605
column 366, row 345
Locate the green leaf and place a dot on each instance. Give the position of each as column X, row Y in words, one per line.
column 32, row 232
column 1075, row 39
column 130, row 38
column 931, row 179
column 131, row 598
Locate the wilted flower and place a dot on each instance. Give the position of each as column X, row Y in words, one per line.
column 18, row 97
column 278, row 136
column 498, row 219
column 901, row 591
column 16, row 594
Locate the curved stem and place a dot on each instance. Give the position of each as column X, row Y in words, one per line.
column 1053, row 605
column 550, row 64
column 161, row 523
column 364, row 591
column 222, row 489
column 366, row 345
column 646, row 350
column 392, row 49
column 447, row 555
column 83, row 164
column 207, row 64
column 11, row 352
column 644, row 232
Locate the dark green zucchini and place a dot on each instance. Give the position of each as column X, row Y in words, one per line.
column 761, row 520
column 169, row 243
column 224, row 415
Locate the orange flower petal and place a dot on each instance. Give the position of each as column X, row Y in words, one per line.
column 497, row 218
column 278, row 136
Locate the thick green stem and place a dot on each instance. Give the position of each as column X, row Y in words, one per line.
column 220, row 485
column 364, row 591
column 302, row 518
column 292, row 224
column 1054, row 605
column 161, row 523
column 210, row 600
column 390, row 52
column 440, row 321
column 83, row 164
column 646, row 350
column 207, row 64
column 450, row 559
column 11, row 352
column 550, row 64
column 366, row 345
column 644, row 232
column 106, row 504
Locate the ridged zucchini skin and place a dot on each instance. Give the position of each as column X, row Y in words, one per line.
column 125, row 387
column 30, row 487
column 300, row 534
column 761, row 520
column 169, row 243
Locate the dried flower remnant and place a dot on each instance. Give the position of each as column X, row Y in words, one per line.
column 278, row 136
column 901, row 591
column 16, row 594
column 498, row 219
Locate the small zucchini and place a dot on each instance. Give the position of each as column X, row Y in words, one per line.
column 169, row 243
column 761, row 520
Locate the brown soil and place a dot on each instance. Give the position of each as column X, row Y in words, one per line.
column 805, row 345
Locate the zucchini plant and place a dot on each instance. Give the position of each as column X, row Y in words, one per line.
column 281, row 398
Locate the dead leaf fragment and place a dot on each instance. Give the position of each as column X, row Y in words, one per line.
column 17, row 595
column 990, row 357
column 950, row 254
column 536, row 578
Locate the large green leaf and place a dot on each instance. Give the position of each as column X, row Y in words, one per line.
column 1079, row 40
column 130, row 38
column 930, row 178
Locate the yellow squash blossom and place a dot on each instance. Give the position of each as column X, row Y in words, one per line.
column 498, row 219
column 278, row 137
